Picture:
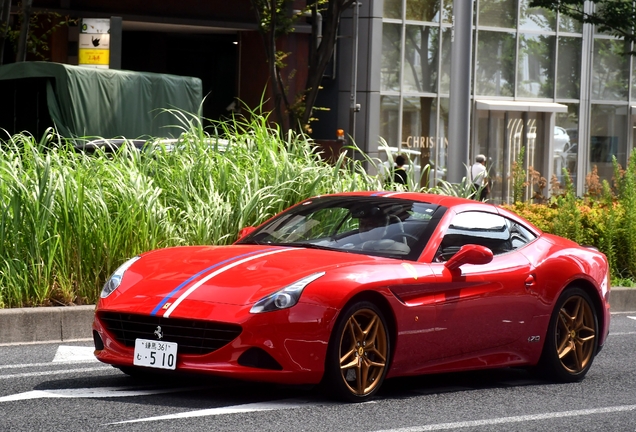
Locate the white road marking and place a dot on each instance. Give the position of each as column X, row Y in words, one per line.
column 515, row 419
column 630, row 317
column 74, row 354
column 64, row 355
column 99, row 392
column 235, row 409
column 56, row 372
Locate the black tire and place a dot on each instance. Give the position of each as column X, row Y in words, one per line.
column 572, row 338
column 359, row 347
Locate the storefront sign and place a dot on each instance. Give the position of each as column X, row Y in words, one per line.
column 94, row 43
column 425, row 142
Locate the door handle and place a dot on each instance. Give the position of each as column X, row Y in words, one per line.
column 530, row 281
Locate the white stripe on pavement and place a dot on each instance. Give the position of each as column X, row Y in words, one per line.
column 235, row 409
column 55, row 372
column 99, row 392
column 515, row 419
column 67, row 353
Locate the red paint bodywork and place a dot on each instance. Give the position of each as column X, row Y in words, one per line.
column 440, row 320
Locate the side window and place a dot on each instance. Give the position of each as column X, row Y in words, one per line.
column 495, row 232
column 519, row 235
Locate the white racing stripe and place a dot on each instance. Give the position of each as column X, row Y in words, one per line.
column 515, row 419
column 215, row 273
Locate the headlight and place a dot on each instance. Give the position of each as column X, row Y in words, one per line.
column 113, row 282
column 286, row 297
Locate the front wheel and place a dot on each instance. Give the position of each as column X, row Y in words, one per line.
column 358, row 354
column 571, row 341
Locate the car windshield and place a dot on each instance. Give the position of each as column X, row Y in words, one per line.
column 371, row 225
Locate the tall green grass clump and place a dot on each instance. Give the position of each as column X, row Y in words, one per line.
column 626, row 191
column 68, row 219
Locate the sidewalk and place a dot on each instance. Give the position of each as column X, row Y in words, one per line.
column 65, row 324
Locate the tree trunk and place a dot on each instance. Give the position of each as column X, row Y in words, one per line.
column 322, row 54
column 24, row 30
column 5, row 12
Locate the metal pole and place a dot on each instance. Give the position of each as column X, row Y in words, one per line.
column 114, row 61
column 354, row 107
column 459, row 104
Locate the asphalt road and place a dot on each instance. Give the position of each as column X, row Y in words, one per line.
column 60, row 387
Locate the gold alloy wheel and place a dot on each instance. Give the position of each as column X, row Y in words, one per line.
column 363, row 352
column 575, row 333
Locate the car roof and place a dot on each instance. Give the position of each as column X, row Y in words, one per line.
column 443, row 200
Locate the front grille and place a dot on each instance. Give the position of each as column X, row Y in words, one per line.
column 193, row 337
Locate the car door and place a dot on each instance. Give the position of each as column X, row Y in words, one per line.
column 487, row 305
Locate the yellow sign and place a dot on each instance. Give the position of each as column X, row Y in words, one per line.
column 94, row 43
column 93, row 57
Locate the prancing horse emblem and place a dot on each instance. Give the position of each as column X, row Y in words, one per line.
column 159, row 333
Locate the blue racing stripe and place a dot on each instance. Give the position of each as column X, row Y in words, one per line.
column 191, row 278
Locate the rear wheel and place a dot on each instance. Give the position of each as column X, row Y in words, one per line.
column 358, row 354
column 572, row 340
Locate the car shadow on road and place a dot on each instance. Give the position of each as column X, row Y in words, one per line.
column 459, row 381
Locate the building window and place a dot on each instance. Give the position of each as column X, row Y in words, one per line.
column 391, row 56
column 392, row 9
column 389, row 119
column 536, row 19
column 569, row 68
column 610, row 76
column 445, row 55
column 608, row 124
column 495, row 63
column 498, row 13
column 421, row 49
column 536, row 66
column 566, row 144
column 423, row 10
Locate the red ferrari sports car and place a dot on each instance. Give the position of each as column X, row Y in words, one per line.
column 346, row 290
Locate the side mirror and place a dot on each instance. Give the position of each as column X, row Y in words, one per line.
column 469, row 254
column 246, row 231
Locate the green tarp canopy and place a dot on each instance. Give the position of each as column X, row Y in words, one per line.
column 91, row 102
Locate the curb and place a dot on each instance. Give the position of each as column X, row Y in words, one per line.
column 68, row 323
column 46, row 324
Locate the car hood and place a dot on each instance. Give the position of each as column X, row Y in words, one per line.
column 233, row 275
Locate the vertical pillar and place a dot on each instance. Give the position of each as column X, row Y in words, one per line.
column 459, row 104
column 115, row 42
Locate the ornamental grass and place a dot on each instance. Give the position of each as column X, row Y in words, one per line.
column 69, row 219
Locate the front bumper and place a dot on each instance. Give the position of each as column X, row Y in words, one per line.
column 287, row 347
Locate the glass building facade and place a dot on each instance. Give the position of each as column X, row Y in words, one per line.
column 540, row 81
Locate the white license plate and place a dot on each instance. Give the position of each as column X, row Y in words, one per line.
column 155, row 354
